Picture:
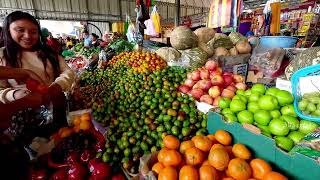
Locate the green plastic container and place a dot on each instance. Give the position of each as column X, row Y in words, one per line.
column 295, row 166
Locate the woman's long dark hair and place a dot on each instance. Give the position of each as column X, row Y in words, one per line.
column 12, row 51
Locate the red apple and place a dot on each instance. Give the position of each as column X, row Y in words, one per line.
column 211, row 65
column 189, row 83
column 184, row 89
column 238, row 78
column 217, row 80
column 232, row 88
column 204, row 74
column 196, row 93
column 204, row 84
column 214, row 91
column 228, row 79
column 196, row 75
column 241, row 86
column 216, row 101
column 227, row 73
column 206, row 99
column 227, row 93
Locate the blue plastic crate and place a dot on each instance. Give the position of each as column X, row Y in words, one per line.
column 278, row 41
column 304, row 72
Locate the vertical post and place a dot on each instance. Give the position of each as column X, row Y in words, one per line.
column 177, row 15
column 120, row 10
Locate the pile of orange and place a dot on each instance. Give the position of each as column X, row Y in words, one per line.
column 210, row 157
column 82, row 122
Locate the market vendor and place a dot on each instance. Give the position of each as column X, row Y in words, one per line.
column 87, row 41
column 95, row 40
column 24, row 50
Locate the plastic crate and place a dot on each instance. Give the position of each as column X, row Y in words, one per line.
column 304, row 72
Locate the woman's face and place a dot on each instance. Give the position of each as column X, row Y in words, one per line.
column 25, row 33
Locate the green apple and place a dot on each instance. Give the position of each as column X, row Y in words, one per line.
column 279, row 127
column 284, row 97
column 259, row 88
column 275, row 114
column 237, row 105
column 226, row 111
column 248, row 92
column 288, row 110
column 293, row 123
column 272, row 91
column 284, row 143
column 296, row 136
column 306, row 112
column 240, row 92
column 268, row 102
column 315, row 100
column 307, row 127
column 302, row 105
column 264, row 130
column 311, row 107
column 253, row 107
column 230, row 118
column 245, row 117
column 224, row 102
column 254, row 97
column 316, row 113
column 262, row 117
column 240, row 97
column 318, row 106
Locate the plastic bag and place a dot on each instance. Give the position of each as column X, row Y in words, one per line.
column 146, row 162
column 155, row 17
column 131, row 32
column 267, row 60
column 150, row 29
column 193, row 58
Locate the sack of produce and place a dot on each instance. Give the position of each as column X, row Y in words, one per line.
column 221, row 41
column 205, row 34
column 205, row 47
column 309, row 145
column 235, row 37
column 195, row 57
column 183, row 38
column 267, row 60
column 168, row 53
column 308, row 57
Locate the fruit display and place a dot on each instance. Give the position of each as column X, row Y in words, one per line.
column 271, row 110
column 209, row 84
column 76, row 63
column 210, row 157
column 139, row 107
column 119, row 46
column 310, row 104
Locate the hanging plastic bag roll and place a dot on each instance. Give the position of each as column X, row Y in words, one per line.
column 155, row 17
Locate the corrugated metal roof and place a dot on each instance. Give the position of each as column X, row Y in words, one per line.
column 98, row 10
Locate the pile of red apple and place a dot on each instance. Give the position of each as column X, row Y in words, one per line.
column 208, row 84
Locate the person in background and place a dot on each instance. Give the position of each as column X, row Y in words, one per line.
column 254, row 41
column 54, row 44
column 67, row 52
column 1, row 39
column 95, row 40
column 86, row 39
column 69, row 42
column 23, row 49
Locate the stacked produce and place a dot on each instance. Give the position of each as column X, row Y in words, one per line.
column 209, row 84
column 271, row 110
column 76, row 63
column 141, row 104
column 120, row 45
column 310, row 104
column 210, row 157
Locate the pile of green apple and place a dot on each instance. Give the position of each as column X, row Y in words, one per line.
column 310, row 104
column 271, row 110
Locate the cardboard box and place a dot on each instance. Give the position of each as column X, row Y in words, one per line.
column 294, row 166
column 235, row 64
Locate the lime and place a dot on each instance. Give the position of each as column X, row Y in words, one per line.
column 127, row 152
column 186, row 131
column 106, row 157
column 144, row 146
column 175, row 130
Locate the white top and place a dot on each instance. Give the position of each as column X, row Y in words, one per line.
column 31, row 61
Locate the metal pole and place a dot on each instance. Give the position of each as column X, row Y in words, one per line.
column 177, row 16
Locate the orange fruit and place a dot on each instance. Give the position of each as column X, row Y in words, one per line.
column 252, row 179
column 85, row 125
column 168, row 173
column 157, row 167
column 76, row 121
column 194, row 156
column 208, row 172
column 185, row 145
column 206, row 162
column 219, row 158
column 241, row 151
column 188, row 172
column 216, row 146
column 239, row 169
column 212, row 138
column 85, row 117
column 227, row 178
column 171, row 142
column 223, row 137
column 202, row 142
column 171, row 158
column 274, row 176
column 260, row 168
column 162, row 154
column 229, row 151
